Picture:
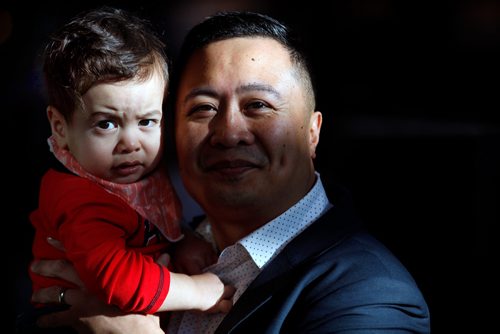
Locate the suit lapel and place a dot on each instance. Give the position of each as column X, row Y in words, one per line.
column 326, row 233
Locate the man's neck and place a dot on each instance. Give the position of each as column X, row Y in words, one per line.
column 227, row 232
column 231, row 224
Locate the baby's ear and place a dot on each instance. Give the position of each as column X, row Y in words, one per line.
column 58, row 126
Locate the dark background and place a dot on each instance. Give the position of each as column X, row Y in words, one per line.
column 409, row 92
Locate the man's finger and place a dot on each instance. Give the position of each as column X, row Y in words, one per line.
column 55, row 243
column 164, row 260
column 57, row 268
column 53, row 295
column 47, row 295
column 56, row 319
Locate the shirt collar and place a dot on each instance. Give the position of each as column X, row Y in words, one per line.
column 264, row 243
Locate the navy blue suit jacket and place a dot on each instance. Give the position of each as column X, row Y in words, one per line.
column 332, row 278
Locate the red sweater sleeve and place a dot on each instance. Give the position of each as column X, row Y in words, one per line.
column 106, row 241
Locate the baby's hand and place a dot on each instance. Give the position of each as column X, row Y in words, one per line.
column 214, row 295
column 204, row 292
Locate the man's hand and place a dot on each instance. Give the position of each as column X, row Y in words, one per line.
column 86, row 313
column 193, row 254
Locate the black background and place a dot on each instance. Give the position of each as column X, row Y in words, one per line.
column 409, row 92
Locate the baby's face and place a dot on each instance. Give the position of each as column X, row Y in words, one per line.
column 117, row 134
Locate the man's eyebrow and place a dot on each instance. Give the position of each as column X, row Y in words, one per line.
column 244, row 88
column 200, row 91
column 258, row 87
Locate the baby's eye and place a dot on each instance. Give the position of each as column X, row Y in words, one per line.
column 148, row 122
column 106, row 125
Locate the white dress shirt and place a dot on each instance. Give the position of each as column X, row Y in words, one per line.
column 239, row 264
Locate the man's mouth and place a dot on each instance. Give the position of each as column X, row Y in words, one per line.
column 231, row 167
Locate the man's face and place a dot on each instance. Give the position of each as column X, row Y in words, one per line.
column 244, row 136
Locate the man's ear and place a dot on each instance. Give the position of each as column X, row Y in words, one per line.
column 58, row 126
column 314, row 130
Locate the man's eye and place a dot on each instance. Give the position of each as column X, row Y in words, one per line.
column 257, row 108
column 256, row 105
column 203, row 108
column 106, row 125
column 202, row 111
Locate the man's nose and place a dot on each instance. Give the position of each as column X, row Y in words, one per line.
column 230, row 127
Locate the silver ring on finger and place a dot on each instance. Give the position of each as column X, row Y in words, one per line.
column 61, row 296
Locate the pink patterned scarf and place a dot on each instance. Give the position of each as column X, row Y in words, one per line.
column 153, row 197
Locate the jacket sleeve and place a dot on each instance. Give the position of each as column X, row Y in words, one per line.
column 363, row 291
column 378, row 306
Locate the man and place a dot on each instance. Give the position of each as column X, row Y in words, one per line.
column 246, row 135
